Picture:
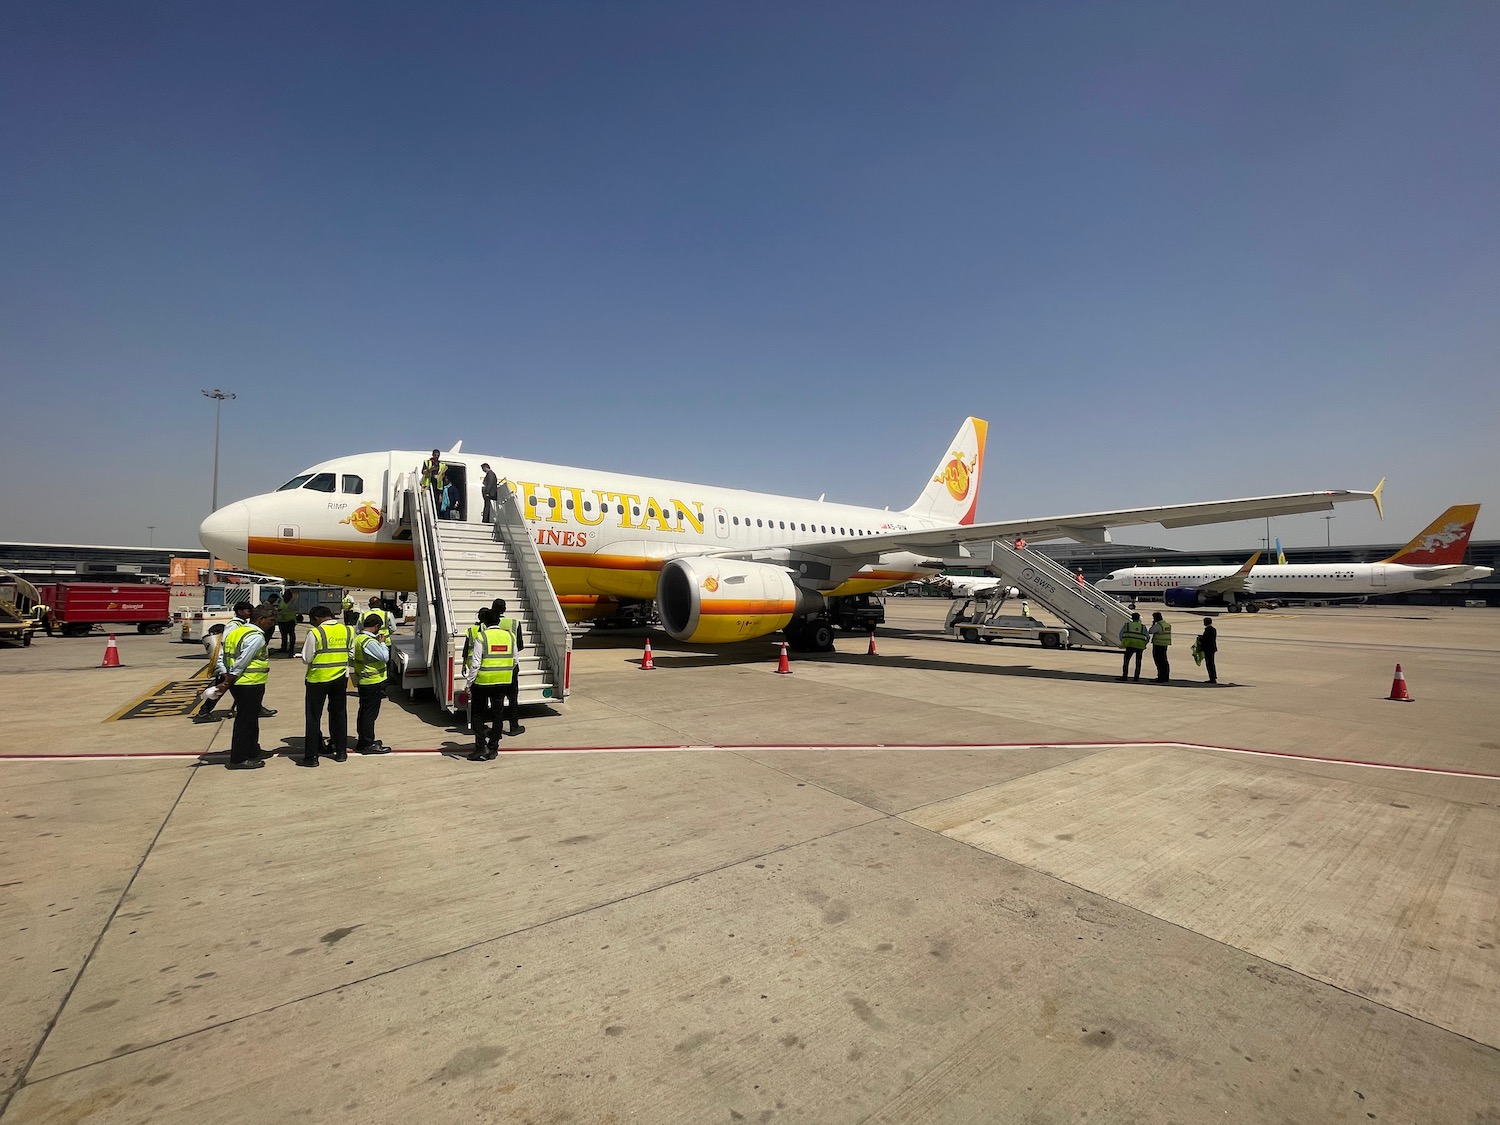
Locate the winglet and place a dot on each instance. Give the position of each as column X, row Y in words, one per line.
column 1245, row 570
column 1375, row 496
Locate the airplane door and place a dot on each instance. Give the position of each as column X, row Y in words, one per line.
column 1377, row 576
column 721, row 523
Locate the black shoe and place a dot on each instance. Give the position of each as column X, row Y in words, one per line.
column 247, row 764
column 341, row 756
column 264, row 754
column 207, row 717
column 310, row 763
column 378, row 748
column 492, row 754
column 478, row 755
column 517, row 728
column 267, row 712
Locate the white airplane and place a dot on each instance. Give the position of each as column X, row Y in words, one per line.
column 721, row 564
column 1434, row 558
column 963, row 585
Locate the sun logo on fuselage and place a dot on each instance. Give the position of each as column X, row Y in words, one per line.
column 366, row 519
column 955, row 475
column 711, row 584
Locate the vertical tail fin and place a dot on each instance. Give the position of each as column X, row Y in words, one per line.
column 1443, row 541
column 1280, row 554
column 952, row 495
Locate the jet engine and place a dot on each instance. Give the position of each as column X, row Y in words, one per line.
column 1183, row 597
column 713, row 601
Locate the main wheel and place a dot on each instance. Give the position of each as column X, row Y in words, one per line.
column 1235, row 607
column 1253, row 609
column 820, row 637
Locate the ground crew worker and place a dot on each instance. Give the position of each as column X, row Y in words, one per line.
column 1025, row 609
column 370, row 659
column 1208, row 646
column 1079, row 579
column 326, row 652
column 1133, row 641
column 1161, row 637
column 386, row 622
column 243, row 611
column 513, row 689
column 351, row 615
column 247, row 660
column 41, row 613
column 491, row 666
column 286, row 621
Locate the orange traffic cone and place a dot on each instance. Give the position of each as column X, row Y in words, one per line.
column 1398, row 688
column 872, row 651
column 646, row 664
column 111, row 654
column 783, row 668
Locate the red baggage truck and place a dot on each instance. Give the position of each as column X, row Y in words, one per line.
column 78, row 606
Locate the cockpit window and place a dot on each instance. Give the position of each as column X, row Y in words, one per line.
column 353, row 485
column 295, row 482
column 323, row 482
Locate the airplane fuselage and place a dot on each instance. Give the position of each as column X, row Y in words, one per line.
column 1332, row 580
column 599, row 533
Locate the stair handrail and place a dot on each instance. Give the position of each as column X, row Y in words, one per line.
column 549, row 627
column 1067, row 582
column 429, row 552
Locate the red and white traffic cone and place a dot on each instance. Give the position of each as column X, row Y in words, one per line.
column 111, row 654
column 872, row 651
column 783, row 666
column 646, row 664
column 1398, row 688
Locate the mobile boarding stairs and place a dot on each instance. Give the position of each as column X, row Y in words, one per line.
column 1092, row 616
column 462, row 566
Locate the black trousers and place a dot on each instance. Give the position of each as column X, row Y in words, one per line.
column 487, row 701
column 244, row 743
column 1208, row 663
column 288, row 636
column 1163, row 665
column 489, row 509
column 1125, row 666
column 513, row 700
column 331, row 692
column 371, row 696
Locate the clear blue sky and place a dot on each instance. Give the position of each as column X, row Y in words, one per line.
column 1171, row 251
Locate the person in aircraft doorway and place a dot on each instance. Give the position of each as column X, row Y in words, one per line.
column 490, row 490
column 433, row 471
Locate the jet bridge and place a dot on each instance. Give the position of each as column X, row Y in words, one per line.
column 462, row 566
column 1092, row 616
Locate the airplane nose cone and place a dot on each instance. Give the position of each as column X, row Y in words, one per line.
column 226, row 533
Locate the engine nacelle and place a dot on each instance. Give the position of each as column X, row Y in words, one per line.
column 1183, row 597
column 714, row 601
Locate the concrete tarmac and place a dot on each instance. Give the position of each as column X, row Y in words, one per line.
column 944, row 883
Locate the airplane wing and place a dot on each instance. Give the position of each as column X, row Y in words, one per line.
column 1085, row 527
column 1235, row 582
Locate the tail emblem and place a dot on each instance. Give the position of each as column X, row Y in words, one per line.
column 1450, row 534
column 711, row 584
column 955, row 475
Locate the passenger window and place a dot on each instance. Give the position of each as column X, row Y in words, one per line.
column 353, row 485
column 736, row 521
column 323, row 482
column 295, row 482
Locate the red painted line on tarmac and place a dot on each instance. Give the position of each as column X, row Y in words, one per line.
column 686, row 748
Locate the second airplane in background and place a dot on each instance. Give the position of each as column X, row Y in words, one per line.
column 1434, row 558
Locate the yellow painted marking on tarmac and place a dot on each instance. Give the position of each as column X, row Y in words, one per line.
column 171, row 698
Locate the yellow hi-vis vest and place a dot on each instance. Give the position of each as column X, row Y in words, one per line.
column 1163, row 635
column 384, row 632
column 331, row 661
column 1133, row 635
column 367, row 670
column 287, row 612
column 431, row 473
column 498, row 664
column 259, row 668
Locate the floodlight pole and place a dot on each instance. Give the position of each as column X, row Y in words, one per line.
column 1328, row 527
column 150, row 535
column 218, row 396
